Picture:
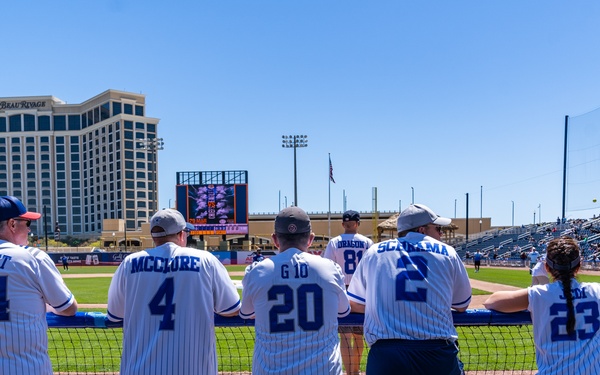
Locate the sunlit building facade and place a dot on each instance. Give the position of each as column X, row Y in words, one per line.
column 79, row 164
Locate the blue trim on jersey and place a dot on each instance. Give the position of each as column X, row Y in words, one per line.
column 467, row 301
column 232, row 307
column 61, row 305
column 345, row 312
column 357, row 297
column 246, row 316
column 113, row 317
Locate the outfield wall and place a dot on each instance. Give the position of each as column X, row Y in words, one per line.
column 114, row 259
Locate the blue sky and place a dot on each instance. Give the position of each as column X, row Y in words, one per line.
column 443, row 97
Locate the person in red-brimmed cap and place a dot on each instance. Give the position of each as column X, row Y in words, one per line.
column 29, row 281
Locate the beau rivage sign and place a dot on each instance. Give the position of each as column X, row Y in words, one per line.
column 24, row 104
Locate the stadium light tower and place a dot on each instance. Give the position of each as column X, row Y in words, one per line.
column 153, row 145
column 294, row 141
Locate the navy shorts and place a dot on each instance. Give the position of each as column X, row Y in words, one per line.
column 414, row 357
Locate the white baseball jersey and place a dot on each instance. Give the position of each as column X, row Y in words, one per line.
column 556, row 351
column 296, row 298
column 166, row 298
column 28, row 281
column 408, row 286
column 347, row 250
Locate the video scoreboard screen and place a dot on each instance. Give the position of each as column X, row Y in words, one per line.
column 214, row 209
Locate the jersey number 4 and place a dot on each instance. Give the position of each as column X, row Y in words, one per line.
column 405, row 277
column 165, row 292
column 4, row 303
column 287, row 306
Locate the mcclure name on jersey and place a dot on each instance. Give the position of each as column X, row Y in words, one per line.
column 432, row 247
column 165, row 265
column 352, row 244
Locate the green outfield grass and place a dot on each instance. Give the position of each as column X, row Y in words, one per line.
column 518, row 277
column 88, row 269
column 89, row 290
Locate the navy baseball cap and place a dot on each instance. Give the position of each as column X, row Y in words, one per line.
column 417, row 215
column 292, row 220
column 351, row 215
column 168, row 221
column 11, row 207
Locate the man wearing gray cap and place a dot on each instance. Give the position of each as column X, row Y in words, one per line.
column 296, row 298
column 166, row 298
column 406, row 287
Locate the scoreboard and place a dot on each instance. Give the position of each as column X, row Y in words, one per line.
column 214, row 209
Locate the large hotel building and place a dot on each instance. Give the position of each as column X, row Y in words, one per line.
column 79, row 164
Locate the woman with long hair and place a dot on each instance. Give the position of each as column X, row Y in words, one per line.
column 565, row 313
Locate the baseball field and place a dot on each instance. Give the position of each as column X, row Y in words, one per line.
column 90, row 286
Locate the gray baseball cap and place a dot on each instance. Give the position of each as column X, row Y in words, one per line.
column 292, row 220
column 169, row 220
column 417, row 215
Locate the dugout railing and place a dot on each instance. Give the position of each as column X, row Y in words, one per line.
column 490, row 343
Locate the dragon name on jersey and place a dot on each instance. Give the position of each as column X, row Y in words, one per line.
column 165, row 265
column 352, row 244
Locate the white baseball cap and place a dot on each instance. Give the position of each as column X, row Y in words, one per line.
column 417, row 215
column 169, row 220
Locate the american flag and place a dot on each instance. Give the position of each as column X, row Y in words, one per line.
column 331, row 171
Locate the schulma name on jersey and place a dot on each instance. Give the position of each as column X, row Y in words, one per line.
column 158, row 264
column 395, row 245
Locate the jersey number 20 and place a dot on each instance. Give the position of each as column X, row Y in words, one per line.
column 288, row 306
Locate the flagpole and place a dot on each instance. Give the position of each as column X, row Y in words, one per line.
column 329, row 206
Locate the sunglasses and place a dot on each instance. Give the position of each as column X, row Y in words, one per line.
column 27, row 221
column 437, row 227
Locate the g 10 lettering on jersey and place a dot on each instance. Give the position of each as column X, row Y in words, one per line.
column 299, row 313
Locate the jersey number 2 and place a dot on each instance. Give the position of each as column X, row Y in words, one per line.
column 406, row 276
column 288, row 306
column 165, row 291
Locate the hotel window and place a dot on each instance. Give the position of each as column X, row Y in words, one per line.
column 139, row 110
column 74, row 122
column 2, row 124
column 60, row 123
column 29, row 123
column 104, row 111
column 14, row 123
column 128, row 109
column 44, row 123
column 116, row 108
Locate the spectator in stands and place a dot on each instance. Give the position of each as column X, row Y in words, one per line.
column 523, row 258
column 565, row 329
column 167, row 298
column 296, row 299
column 477, row 261
column 29, row 280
